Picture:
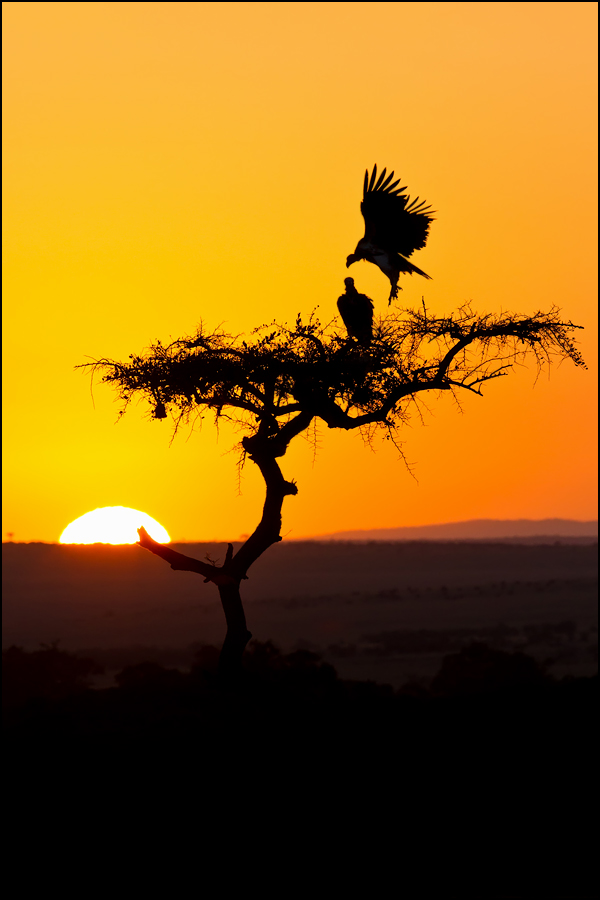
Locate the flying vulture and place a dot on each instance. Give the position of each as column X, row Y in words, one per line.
column 395, row 226
column 356, row 311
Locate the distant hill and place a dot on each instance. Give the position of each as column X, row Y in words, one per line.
column 474, row 529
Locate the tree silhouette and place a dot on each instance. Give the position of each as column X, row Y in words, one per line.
column 279, row 380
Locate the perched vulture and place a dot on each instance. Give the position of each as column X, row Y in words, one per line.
column 395, row 226
column 356, row 311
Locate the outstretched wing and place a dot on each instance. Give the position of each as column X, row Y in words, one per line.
column 393, row 221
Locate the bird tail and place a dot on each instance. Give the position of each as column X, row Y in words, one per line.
column 408, row 267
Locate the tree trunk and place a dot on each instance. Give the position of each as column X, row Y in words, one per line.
column 228, row 577
column 230, row 660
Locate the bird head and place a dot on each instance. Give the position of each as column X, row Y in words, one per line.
column 351, row 259
column 349, row 282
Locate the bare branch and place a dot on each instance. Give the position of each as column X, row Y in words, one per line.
column 315, row 371
column 182, row 563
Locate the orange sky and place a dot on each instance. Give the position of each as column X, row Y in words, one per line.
column 166, row 162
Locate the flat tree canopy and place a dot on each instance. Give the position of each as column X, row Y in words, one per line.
column 312, row 370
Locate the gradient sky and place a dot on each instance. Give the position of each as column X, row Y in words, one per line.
column 171, row 162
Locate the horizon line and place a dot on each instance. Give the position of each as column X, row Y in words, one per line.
column 367, row 531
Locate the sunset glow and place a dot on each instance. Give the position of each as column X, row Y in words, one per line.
column 112, row 525
column 166, row 163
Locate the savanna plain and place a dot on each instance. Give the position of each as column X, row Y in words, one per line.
column 377, row 611
column 447, row 680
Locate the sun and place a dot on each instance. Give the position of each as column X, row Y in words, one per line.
column 112, row 525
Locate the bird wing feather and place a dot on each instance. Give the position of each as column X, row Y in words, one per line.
column 393, row 221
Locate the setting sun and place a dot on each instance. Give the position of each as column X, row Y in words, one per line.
column 112, row 525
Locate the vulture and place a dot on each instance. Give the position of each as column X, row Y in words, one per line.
column 395, row 226
column 356, row 311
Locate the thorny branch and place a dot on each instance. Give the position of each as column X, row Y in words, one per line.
column 317, row 371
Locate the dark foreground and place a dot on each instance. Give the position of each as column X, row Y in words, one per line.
column 490, row 771
column 48, row 693
column 473, row 776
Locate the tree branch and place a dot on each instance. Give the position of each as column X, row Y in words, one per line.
column 182, row 563
column 460, row 345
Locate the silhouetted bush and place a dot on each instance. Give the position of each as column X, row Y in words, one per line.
column 149, row 676
column 477, row 669
column 264, row 662
column 47, row 673
column 206, row 658
column 296, row 700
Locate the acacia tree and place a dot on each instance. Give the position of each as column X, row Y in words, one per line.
column 280, row 380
